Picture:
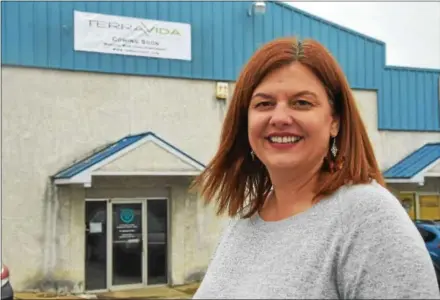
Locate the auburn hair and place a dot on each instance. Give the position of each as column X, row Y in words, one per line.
column 235, row 181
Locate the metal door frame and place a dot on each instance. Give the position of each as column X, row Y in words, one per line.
column 168, row 240
column 142, row 202
column 106, row 200
column 109, row 262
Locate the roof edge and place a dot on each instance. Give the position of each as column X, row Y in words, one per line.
column 97, row 150
column 421, row 171
column 325, row 21
column 177, row 149
column 354, row 32
column 403, row 68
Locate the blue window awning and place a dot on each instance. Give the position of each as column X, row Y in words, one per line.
column 416, row 166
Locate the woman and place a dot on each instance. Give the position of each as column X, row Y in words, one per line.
column 296, row 169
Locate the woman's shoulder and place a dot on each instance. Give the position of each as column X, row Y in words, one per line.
column 371, row 191
column 370, row 200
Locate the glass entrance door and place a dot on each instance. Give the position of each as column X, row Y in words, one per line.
column 96, row 245
column 157, row 237
column 127, row 243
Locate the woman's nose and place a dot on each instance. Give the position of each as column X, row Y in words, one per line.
column 281, row 116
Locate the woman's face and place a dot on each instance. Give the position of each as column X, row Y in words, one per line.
column 290, row 120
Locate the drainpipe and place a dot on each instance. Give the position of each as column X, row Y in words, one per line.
column 47, row 231
column 54, row 216
column 50, row 231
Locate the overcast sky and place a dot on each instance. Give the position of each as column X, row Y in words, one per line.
column 411, row 30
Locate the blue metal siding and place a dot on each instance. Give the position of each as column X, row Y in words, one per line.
column 409, row 100
column 411, row 165
column 40, row 34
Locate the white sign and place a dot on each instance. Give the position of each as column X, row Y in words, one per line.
column 95, row 227
column 131, row 36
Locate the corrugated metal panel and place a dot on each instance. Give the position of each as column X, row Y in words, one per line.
column 411, row 165
column 361, row 57
column 40, row 34
column 409, row 100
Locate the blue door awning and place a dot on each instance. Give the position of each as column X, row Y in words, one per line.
column 416, row 166
column 81, row 172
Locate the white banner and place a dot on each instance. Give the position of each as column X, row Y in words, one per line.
column 131, row 36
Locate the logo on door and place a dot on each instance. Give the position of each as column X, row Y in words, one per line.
column 126, row 215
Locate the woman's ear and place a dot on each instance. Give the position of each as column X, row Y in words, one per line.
column 334, row 128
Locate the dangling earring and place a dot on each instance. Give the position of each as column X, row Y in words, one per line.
column 334, row 149
column 253, row 155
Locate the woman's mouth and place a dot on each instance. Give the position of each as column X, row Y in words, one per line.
column 284, row 139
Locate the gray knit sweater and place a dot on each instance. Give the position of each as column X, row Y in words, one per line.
column 358, row 243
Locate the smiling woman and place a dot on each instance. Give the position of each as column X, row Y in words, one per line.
column 302, row 83
column 296, row 170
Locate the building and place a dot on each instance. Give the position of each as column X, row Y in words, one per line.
column 110, row 109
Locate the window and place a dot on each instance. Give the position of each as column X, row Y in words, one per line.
column 429, row 207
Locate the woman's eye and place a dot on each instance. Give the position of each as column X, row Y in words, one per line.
column 302, row 103
column 263, row 104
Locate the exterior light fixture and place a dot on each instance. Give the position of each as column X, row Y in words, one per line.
column 257, row 8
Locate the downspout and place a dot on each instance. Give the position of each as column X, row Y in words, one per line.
column 54, row 215
column 47, row 231
column 50, row 231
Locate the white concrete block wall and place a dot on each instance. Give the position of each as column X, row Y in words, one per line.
column 389, row 146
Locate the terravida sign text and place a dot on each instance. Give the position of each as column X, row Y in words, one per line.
column 131, row 36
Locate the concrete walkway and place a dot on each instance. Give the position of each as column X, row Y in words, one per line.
column 165, row 292
column 176, row 292
column 47, row 296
